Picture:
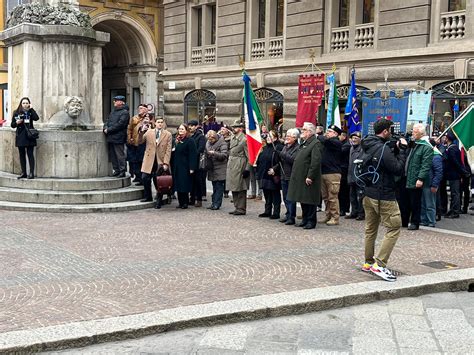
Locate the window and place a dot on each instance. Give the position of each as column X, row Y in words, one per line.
column 368, row 11
column 261, row 18
column 199, row 26
column 456, row 5
column 213, row 24
column 279, row 18
column 344, row 13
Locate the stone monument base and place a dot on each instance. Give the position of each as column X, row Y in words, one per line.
column 60, row 154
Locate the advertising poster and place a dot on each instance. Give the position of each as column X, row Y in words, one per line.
column 418, row 108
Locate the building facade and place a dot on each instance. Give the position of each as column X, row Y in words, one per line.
column 409, row 44
column 131, row 60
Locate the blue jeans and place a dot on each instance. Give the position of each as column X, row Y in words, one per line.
column 428, row 207
column 290, row 205
column 217, row 192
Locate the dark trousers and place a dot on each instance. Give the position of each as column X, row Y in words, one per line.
column 414, row 205
column 117, row 157
column 357, row 195
column 344, row 194
column 196, row 191
column 240, row 200
column 146, row 180
column 404, row 201
column 217, row 193
column 272, row 200
column 455, row 190
column 183, row 198
column 443, row 198
column 23, row 151
column 309, row 214
column 465, row 193
column 203, row 183
column 290, row 205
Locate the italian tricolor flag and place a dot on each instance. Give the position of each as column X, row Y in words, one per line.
column 253, row 119
column 463, row 127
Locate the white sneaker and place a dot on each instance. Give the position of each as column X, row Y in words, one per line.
column 383, row 272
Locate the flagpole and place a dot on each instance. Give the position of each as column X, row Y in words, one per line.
column 460, row 117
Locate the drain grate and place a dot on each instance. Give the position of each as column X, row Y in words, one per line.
column 439, row 265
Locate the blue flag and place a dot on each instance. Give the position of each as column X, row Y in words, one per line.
column 351, row 112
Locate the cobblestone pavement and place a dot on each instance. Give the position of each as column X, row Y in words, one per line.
column 59, row 268
column 431, row 324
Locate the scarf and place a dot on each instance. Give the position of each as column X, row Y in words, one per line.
column 180, row 139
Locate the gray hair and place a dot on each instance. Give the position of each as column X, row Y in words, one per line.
column 211, row 133
column 420, row 127
column 294, row 132
column 310, row 127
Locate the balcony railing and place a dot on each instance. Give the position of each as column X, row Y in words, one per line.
column 203, row 55
column 340, row 39
column 264, row 48
column 364, row 36
column 453, row 25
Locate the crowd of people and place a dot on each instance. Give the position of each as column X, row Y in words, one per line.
column 407, row 188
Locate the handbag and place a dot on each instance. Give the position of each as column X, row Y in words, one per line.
column 276, row 179
column 205, row 163
column 164, row 182
column 32, row 133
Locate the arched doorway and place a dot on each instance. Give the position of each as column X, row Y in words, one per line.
column 449, row 99
column 270, row 102
column 129, row 61
column 198, row 104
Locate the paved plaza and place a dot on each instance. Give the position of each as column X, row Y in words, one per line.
column 431, row 324
column 61, row 268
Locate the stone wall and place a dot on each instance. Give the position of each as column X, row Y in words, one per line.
column 175, row 35
column 404, row 24
column 230, row 31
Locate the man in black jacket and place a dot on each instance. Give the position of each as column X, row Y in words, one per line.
column 380, row 202
column 331, row 173
column 200, row 141
column 115, row 128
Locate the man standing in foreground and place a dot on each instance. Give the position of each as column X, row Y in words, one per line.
column 115, row 129
column 380, row 202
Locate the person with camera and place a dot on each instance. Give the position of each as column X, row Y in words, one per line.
column 238, row 169
column 216, row 165
column 115, row 129
column 135, row 149
column 22, row 120
column 380, row 203
column 157, row 156
column 418, row 168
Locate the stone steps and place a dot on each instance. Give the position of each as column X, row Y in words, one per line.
column 84, row 208
column 106, row 194
column 104, row 183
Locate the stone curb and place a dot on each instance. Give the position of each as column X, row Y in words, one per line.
column 85, row 333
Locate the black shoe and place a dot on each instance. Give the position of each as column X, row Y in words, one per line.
column 438, row 217
column 283, row 220
column 184, row 207
column 136, row 179
column 121, row 175
column 157, row 206
column 179, row 206
column 453, row 215
column 360, row 218
column 471, row 208
column 214, row 208
column 350, row 216
column 302, row 224
column 309, row 226
column 22, row 176
column 342, row 214
column 238, row 213
column 290, row 222
column 210, row 207
column 274, row 217
column 233, row 212
column 116, row 173
column 264, row 215
column 464, row 211
column 146, row 200
column 413, row 227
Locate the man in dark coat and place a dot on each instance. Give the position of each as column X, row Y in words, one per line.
column 115, row 129
column 200, row 142
column 453, row 172
column 344, row 191
column 356, row 191
column 305, row 180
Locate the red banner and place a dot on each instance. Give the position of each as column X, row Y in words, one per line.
column 310, row 96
